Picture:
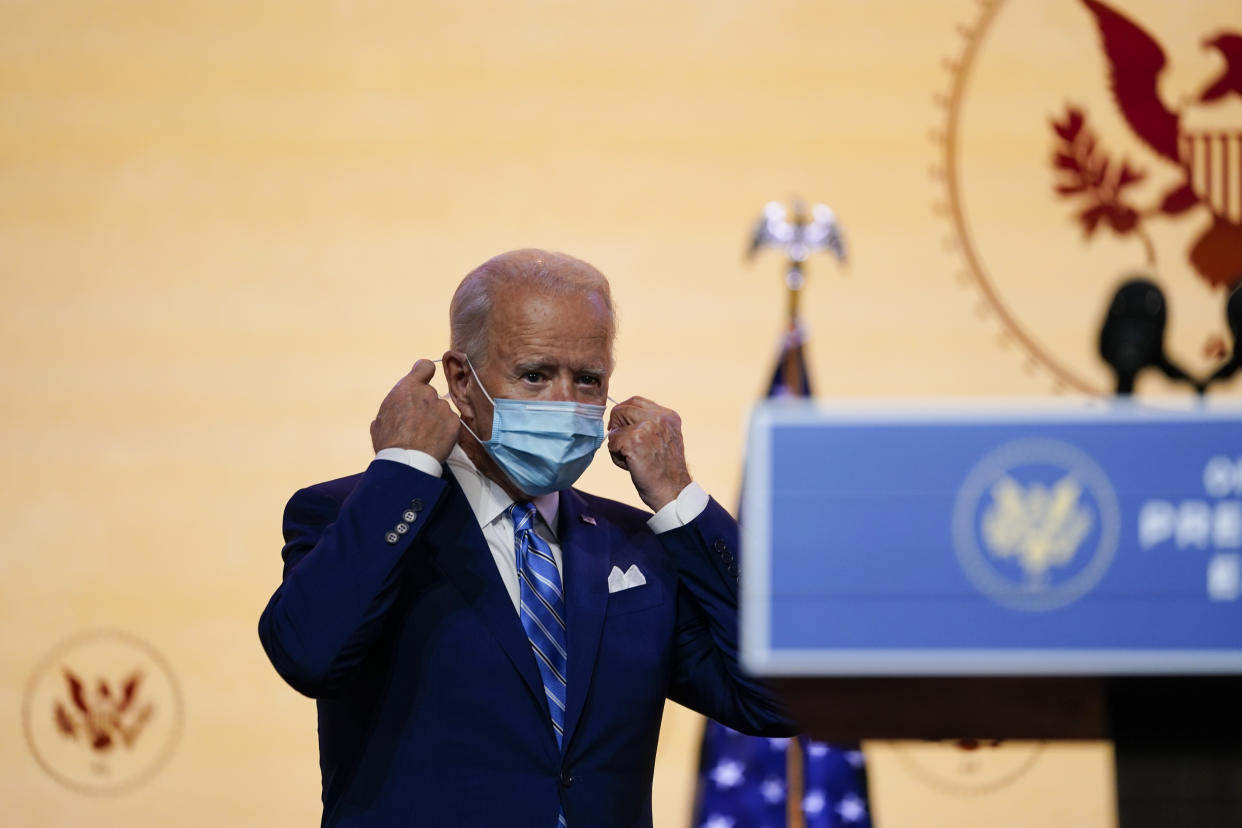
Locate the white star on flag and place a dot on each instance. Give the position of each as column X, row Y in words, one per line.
column 772, row 790
column 718, row 821
column 728, row 773
column 851, row 808
column 813, row 802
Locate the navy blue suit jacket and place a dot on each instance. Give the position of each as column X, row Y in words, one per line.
column 431, row 708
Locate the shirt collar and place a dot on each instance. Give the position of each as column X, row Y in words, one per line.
column 488, row 500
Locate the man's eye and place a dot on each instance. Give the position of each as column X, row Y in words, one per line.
column 588, row 380
column 532, row 376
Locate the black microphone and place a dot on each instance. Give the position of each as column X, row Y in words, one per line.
column 1132, row 337
column 1233, row 315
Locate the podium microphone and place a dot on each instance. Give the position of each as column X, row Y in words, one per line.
column 1132, row 337
column 1233, row 314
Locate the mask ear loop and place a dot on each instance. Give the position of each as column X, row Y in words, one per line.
column 446, row 395
column 449, row 398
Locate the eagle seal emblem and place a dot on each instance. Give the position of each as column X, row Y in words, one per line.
column 1086, row 143
column 1036, row 524
column 102, row 713
column 1201, row 138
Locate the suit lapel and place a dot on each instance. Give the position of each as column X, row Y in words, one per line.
column 584, row 555
column 462, row 554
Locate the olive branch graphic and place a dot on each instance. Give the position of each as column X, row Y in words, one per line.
column 1085, row 172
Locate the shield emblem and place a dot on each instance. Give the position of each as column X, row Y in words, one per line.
column 1210, row 146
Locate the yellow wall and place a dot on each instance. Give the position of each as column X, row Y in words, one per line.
column 227, row 227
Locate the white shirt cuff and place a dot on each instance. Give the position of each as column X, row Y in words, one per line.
column 677, row 513
column 420, row 460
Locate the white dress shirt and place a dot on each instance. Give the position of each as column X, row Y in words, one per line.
column 490, row 504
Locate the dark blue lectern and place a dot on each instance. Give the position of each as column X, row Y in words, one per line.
column 1033, row 570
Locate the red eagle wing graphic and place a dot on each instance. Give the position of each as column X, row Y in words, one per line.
column 64, row 723
column 76, row 691
column 1135, row 63
column 129, row 690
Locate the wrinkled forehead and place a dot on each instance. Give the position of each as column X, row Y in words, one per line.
column 585, row 313
column 577, row 323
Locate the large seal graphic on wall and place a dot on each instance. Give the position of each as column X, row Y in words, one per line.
column 102, row 713
column 1085, row 142
column 968, row 767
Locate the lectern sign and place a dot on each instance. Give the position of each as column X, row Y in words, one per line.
column 1080, row 538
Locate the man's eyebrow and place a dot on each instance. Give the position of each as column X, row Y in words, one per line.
column 534, row 365
column 554, row 365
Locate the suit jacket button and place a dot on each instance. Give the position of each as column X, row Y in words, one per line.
column 392, row 537
column 567, row 779
column 719, row 545
column 417, row 504
column 409, row 516
column 401, row 528
column 726, row 556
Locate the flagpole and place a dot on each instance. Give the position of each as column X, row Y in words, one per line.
column 730, row 762
column 795, row 761
column 799, row 235
column 794, row 766
column 794, row 279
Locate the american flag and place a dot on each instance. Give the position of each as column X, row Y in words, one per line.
column 744, row 780
column 743, row 783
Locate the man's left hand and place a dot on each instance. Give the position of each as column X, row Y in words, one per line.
column 645, row 440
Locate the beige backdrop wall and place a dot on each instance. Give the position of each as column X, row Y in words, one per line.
column 226, row 228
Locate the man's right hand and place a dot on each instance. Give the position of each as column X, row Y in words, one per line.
column 413, row 416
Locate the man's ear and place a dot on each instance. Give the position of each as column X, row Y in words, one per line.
column 459, row 378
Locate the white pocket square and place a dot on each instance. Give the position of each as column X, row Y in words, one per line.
column 632, row 577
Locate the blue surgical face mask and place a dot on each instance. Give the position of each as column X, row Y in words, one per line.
column 543, row 446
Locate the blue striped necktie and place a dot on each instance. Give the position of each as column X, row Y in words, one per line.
column 542, row 609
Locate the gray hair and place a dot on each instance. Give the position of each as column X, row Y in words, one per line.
column 552, row 274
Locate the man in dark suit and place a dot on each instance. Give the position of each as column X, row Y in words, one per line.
column 488, row 646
